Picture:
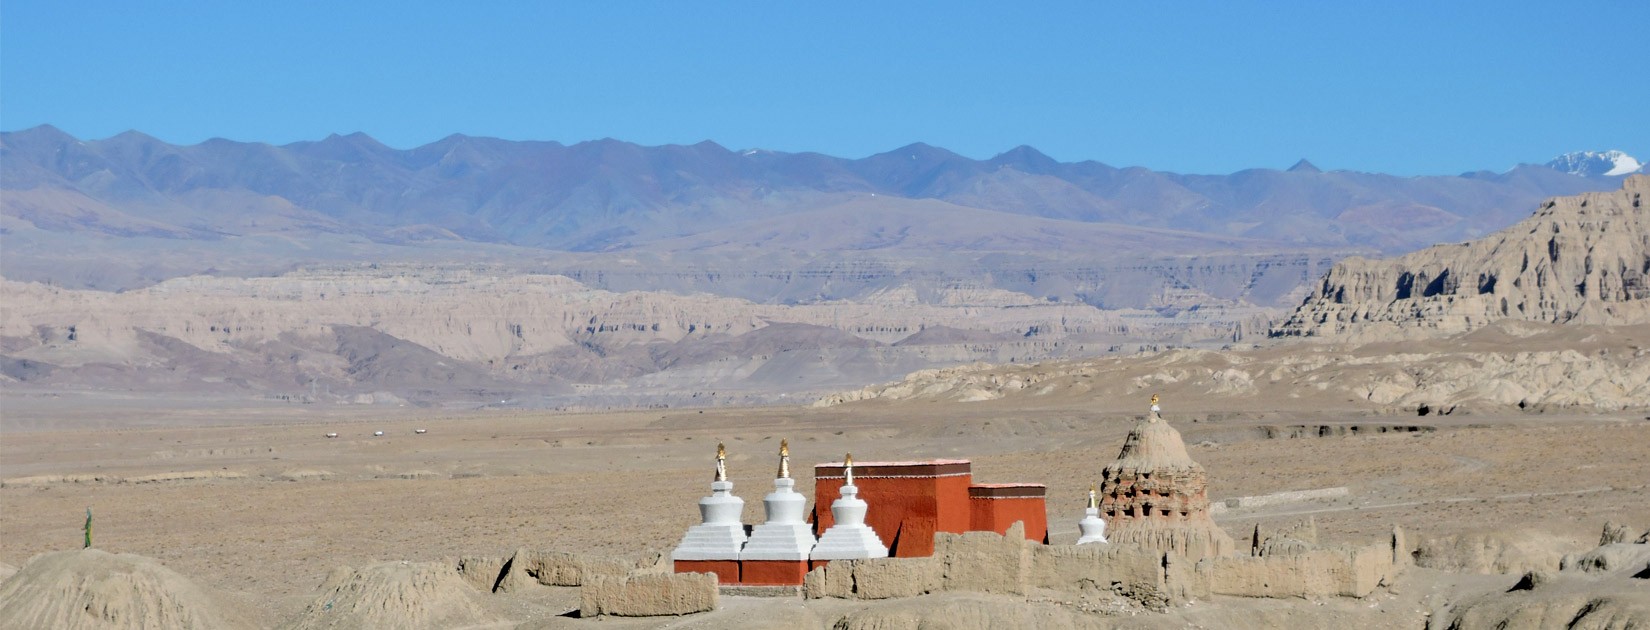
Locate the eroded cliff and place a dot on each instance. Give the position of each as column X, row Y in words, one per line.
column 1582, row 259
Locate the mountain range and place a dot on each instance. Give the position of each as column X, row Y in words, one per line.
column 606, row 273
column 608, row 195
column 1597, row 163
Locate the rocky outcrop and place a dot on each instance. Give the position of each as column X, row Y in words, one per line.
column 1156, row 497
column 1582, row 259
column 648, row 595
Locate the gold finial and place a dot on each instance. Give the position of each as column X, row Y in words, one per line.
column 1093, row 502
column 784, row 459
column 848, row 470
column 1154, row 399
column 721, row 462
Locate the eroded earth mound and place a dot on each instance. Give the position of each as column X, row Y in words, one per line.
column 90, row 588
column 396, row 595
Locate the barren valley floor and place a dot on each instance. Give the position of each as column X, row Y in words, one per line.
column 266, row 505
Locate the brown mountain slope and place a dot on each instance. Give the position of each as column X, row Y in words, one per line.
column 1582, row 259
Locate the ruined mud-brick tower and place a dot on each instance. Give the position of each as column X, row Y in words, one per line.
column 1156, row 497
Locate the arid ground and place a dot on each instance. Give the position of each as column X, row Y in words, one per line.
column 258, row 502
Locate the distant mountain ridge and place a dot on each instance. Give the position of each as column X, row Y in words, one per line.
column 1596, row 164
column 608, row 195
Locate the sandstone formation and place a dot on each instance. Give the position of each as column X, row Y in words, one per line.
column 1582, row 259
column 648, row 595
column 94, row 589
column 1156, row 497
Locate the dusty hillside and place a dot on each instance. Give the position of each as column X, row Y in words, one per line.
column 1582, row 259
column 1509, row 364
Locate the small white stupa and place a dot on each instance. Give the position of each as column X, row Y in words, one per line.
column 1092, row 526
column 720, row 535
column 785, row 535
column 850, row 538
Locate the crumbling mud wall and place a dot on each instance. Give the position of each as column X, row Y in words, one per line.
column 648, row 594
column 992, row 563
column 550, row 568
column 1292, row 566
column 1339, row 571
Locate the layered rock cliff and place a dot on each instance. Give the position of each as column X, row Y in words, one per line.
column 424, row 333
column 1582, row 259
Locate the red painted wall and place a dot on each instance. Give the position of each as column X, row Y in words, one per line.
column 997, row 515
column 727, row 571
column 997, row 506
column 908, row 502
column 772, row 572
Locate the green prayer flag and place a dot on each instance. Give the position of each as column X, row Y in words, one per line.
column 88, row 528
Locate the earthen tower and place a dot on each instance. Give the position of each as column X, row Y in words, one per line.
column 1156, row 497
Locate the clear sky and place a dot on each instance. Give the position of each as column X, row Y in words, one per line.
column 1403, row 86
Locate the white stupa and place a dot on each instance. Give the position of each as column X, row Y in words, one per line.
column 850, row 538
column 785, row 535
column 720, row 535
column 1092, row 526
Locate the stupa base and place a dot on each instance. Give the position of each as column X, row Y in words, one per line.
column 727, row 571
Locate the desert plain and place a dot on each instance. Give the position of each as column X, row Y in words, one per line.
column 259, row 504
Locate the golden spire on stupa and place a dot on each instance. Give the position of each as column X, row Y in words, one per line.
column 1094, row 502
column 848, row 470
column 721, row 462
column 784, row 459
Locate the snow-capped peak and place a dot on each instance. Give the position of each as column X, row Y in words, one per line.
column 1595, row 163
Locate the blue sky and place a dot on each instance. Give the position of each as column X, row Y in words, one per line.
column 1403, row 87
